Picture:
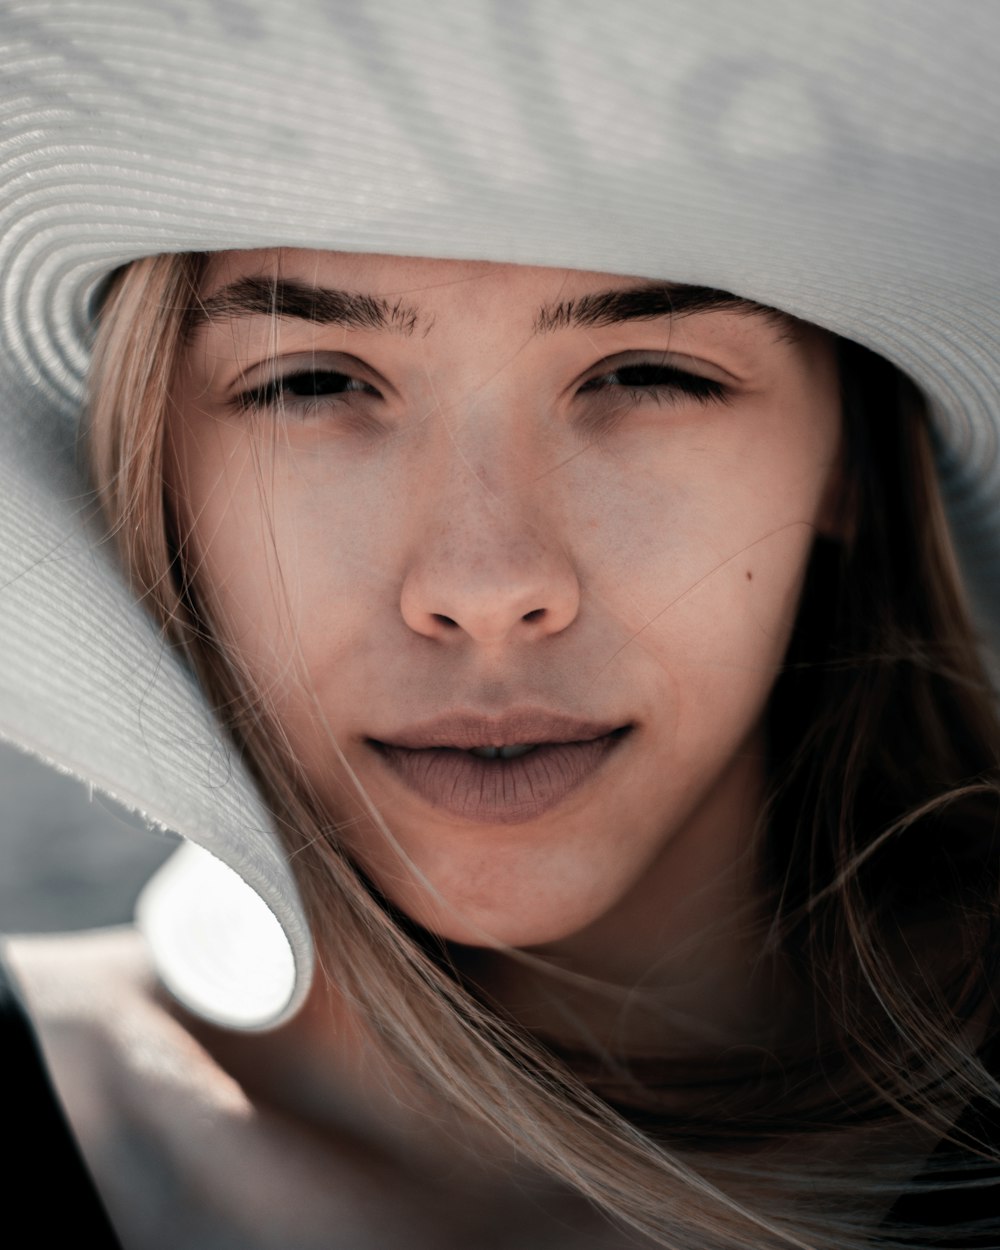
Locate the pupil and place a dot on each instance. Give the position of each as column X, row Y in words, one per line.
column 640, row 375
column 307, row 384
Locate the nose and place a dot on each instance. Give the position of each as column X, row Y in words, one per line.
column 489, row 564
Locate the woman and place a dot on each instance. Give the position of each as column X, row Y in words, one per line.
column 711, row 942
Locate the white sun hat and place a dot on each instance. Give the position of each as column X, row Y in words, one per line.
column 840, row 162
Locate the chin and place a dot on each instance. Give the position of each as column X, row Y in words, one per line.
column 484, row 925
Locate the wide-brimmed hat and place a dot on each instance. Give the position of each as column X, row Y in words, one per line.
column 840, row 162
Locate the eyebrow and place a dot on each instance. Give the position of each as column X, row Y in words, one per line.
column 649, row 301
column 299, row 301
column 289, row 299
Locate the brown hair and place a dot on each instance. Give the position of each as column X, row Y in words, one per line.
column 880, row 863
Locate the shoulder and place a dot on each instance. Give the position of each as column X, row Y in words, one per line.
column 106, row 1033
column 179, row 1153
column 131, row 1080
column 182, row 1154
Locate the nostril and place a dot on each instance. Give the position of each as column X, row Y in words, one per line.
column 445, row 600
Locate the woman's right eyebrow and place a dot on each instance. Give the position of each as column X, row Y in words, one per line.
column 292, row 300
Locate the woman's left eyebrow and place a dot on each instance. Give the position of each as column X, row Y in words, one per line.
column 649, row 301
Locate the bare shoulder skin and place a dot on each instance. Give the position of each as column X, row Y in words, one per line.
column 184, row 1155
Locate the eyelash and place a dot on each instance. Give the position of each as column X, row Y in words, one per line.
column 280, row 393
column 668, row 382
column 664, row 384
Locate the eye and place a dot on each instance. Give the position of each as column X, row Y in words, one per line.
column 634, row 383
column 304, row 391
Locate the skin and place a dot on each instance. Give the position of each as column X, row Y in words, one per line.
column 472, row 528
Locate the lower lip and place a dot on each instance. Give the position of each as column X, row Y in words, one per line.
column 499, row 792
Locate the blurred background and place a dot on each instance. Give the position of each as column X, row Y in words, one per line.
column 68, row 860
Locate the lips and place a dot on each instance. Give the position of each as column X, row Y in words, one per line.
column 499, row 790
column 518, row 726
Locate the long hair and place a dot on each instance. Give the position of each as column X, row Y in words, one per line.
column 879, row 866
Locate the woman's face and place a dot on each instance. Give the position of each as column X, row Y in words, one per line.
column 438, row 505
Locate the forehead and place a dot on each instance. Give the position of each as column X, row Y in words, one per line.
column 397, row 275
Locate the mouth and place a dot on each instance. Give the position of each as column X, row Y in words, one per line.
column 509, row 784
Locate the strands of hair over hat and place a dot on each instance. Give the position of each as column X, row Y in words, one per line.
column 879, row 866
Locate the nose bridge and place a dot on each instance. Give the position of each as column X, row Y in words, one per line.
column 491, row 518
column 491, row 472
column 488, row 556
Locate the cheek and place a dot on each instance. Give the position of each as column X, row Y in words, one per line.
column 248, row 559
column 232, row 552
column 292, row 562
column 723, row 642
column 701, row 560
column 696, row 535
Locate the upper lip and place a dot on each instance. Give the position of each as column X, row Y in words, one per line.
column 465, row 730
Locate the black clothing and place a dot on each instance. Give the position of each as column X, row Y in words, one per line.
column 943, row 1209
column 50, row 1186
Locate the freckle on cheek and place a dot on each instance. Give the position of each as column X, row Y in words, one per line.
column 749, row 576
